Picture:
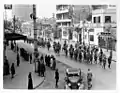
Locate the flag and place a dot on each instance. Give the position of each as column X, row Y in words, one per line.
column 8, row 6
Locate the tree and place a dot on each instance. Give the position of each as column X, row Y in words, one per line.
column 7, row 24
column 89, row 17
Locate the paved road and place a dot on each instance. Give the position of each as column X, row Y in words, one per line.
column 103, row 79
column 49, row 82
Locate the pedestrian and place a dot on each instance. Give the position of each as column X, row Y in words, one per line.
column 12, row 70
column 84, row 55
column 109, row 61
column 100, row 59
column 51, row 62
column 75, row 54
column 48, row 45
column 66, row 52
column 54, row 64
column 30, row 58
column 91, row 58
column 18, row 59
column 6, row 67
column 30, row 82
column 42, row 58
column 95, row 58
column 43, row 69
column 101, row 52
column 46, row 60
column 89, row 78
column 80, row 56
column 56, row 78
column 89, row 75
column 104, row 62
column 39, row 68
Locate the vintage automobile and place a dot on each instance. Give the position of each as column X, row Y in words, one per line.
column 73, row 79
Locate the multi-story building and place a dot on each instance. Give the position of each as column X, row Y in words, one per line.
column 62, row 19
column 66, row 23
column 101, row 20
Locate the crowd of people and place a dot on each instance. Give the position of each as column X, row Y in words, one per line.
column 81, row 53
column 84, row 53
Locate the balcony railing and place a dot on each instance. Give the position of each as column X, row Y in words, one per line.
column 100, row 25
column 64, row 20
column 62, row 10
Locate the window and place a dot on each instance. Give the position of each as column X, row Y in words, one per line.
column 94, row 20
column 107, row 19
column 99, row 19
column 91, row 38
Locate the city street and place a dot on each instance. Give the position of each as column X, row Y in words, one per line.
column 103, row 79
column 80, row 37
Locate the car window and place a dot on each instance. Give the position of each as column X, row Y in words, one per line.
column 71, row 75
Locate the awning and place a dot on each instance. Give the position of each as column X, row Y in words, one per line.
column 14, row 36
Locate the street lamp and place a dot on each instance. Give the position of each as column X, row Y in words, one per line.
column 84, row 31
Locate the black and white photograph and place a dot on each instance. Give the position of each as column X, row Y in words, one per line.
column 60, row 46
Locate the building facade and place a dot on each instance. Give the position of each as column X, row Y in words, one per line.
column 101, row 20
column 67, row 16
column 62, row 20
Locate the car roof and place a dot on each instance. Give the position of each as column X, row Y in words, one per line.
column 72, row 70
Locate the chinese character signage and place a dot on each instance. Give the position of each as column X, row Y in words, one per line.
column 8, row 6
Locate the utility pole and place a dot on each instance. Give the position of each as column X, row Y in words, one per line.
column 36, row 54
column 14, row 24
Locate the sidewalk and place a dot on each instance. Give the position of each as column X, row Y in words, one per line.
column 104, row 79
column 20, row 81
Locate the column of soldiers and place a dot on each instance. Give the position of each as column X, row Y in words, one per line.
column 87, row 54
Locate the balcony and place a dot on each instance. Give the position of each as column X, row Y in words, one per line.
column 63, row 20
column 101, row 25
column 59, row 11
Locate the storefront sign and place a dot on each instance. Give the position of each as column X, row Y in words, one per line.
column 65, row 33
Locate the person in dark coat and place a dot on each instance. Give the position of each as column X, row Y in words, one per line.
column 30, row 82
column 95, row 58
column 56, row 78
column 43, row 69
column 18, row 59
column 39, row 68
column 75, row 54
column 80, row 56
column 48, row 60
column 12, row 70
column 101, row 52
column 48, row 45
column 30, row 58
column 109, row 61
column 100, row 59
column 42, row 58
column 54, row 64
column 6, row 67
column 104, row 62
column 91, row 58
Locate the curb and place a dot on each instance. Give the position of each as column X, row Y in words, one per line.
column 39, row 84
column 114, row 60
